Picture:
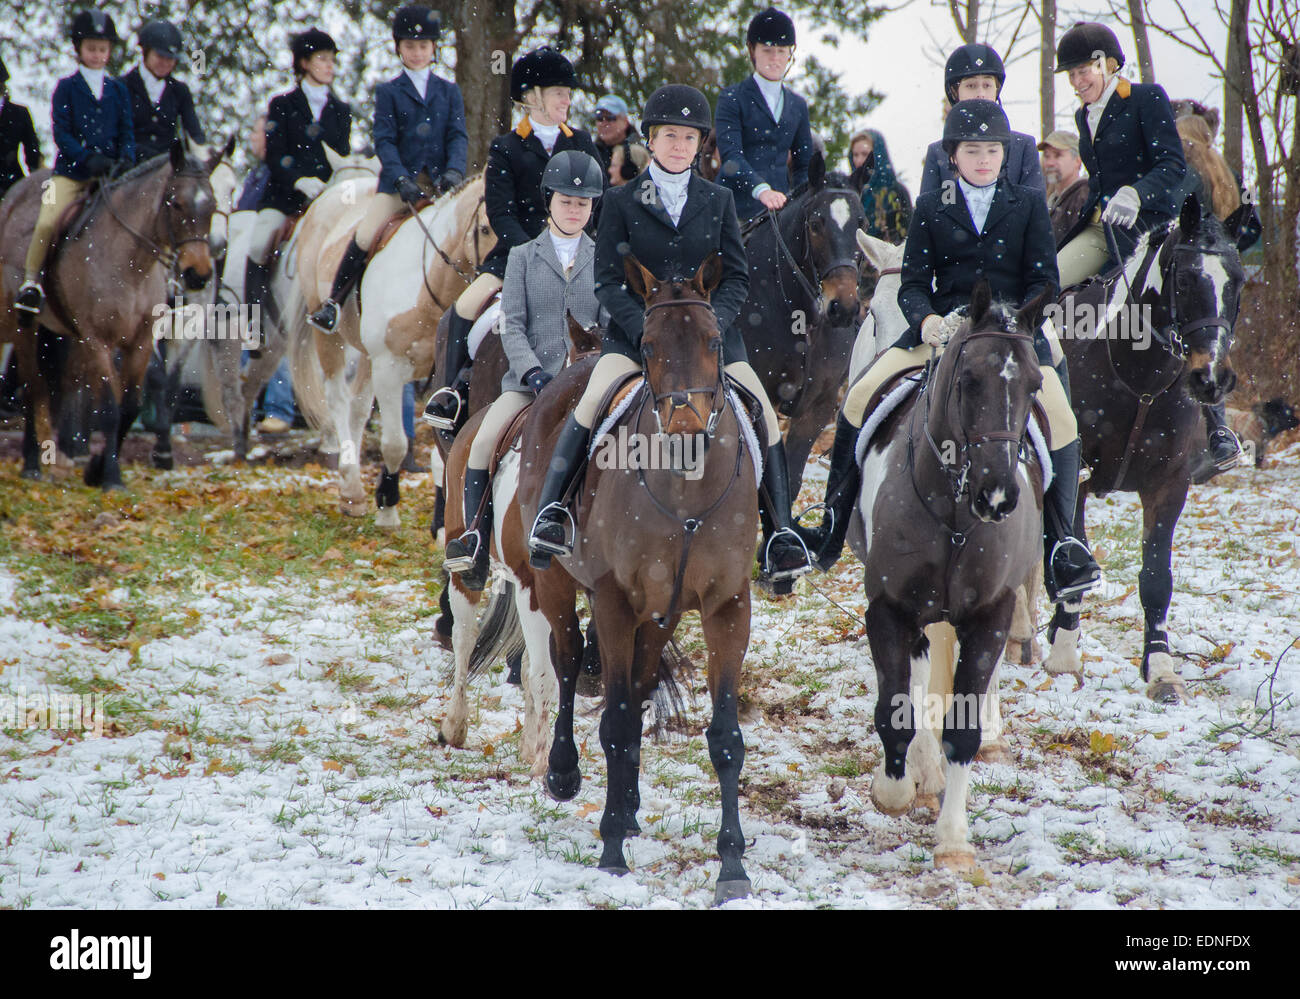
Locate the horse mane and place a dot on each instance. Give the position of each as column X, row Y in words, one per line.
column 454, row 192
column 149, row 166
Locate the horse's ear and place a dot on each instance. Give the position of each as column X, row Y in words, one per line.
column 1031, row 316
column 177, row 153
column 876, row 250
column 816, row 171
column 218, row 153
column 1189, row 220
column 334, row 159
column 709, row 275
column 980, row 300
column 641, row 281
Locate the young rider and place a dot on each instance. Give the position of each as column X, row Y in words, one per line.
column 671, row 220
column 998, row 231
column 547, row 280
column 420, row 138
column 160, row 103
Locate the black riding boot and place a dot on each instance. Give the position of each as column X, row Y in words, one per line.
column 551, row 531
column 783, row 556
column 351, row 267
column 468, row 554
column 1225, row 449
column 257, row 281
column 449, row 407
column 842, row 487
column 1069, row 570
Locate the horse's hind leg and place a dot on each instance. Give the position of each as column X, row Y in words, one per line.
column 896, row 642
column 539, row 684
column 1022, row 646
column 1063, row 632
column 932, row 670
column 1161, row 509
column 557, row 599
column 726, row 633
column 464, row 633
column 104, row 469
column 390, row 377
column 620, row 722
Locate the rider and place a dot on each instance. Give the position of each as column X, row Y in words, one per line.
column 540, row 82
column 547, row 279
column 762, row 124
column 1133, row 175
column 999, row 231
column 975, row 72
column 420, row 139
column 158, row 100
column 16, row 131
column 298, row 125
column 671, row 220
column 92, row 130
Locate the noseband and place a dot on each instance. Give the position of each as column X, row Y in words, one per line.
column 681, row 399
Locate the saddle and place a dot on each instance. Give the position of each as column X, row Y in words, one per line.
column 389, row 229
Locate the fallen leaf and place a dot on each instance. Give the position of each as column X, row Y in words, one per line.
column 334, row 765
column 1045, row 685
column 279, row 659
column 586, row 809
column 1101, row 742
column 300, row 730
column 161, row 876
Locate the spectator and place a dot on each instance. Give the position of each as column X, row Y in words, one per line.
column 615, row 132
column 1067, row 187
column 885, row 201
column 16, row 130
column 635, row 154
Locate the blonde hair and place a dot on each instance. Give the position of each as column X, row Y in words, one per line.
column 1198, row 149
column 640, row 155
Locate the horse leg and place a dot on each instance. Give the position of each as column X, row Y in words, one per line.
column 620, row 722
column 390, row 375
column 982, row 645
column 162, row 383
column 896, row 642
column 445, row 621
column 799, row 438
column 589, row 679
column 726, row 633
column 1022, row 646
column 463, row 635
column 539, row 681
column 557, row 599
column 104, row 469
column 1161, row 509
column 338, row 399
column 931, row 685
column 993, row 746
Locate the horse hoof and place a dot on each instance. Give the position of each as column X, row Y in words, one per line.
column 926, row 801
column 1167, row 691
column 164, row 461
column 113, row 487
column 563, row 787
column 442, row 639
column 618, row 872
column 994, row 752
column 94, row 473
column 454, row 736
column 589, row 685
column 32, row 474
column 955, row 859
column 354, row 507
column 892, row 796
column 1022, row 653
column 729, row 891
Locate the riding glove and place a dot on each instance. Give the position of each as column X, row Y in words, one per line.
column 98, row 165
column 932, row 331
column 451, row 178
column 408, row 190
column 537, row 379
column 1123, row 208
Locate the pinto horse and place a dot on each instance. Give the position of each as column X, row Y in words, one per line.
column 1147, row 346
column 798, row 320
column 104, row 286
column 946, row 537
column 652, row 543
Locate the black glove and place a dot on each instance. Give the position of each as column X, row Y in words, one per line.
column 99, row 165
column 408, row 190
column 537, row 379
column 450, row 178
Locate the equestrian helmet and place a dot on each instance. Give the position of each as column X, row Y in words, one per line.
column 575, row 173
column 542, row 67
column 975, row 121
column 677, row 104
column 88, row 24
column 1083, row 42
column 162, row 37
column 306, row 43
column 770, row 27
column 972, row 60
column 416, row 22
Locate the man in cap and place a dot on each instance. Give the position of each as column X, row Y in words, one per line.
column 1067, row 187
column 613, row 129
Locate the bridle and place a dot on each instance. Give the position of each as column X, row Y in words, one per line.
column 804, row 265
column 430, row 241
column 681, row 399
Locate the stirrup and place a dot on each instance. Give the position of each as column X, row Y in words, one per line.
column 465, row 562
column 784, row 574
column 1226, row 464
column 40, row 297
column 1066, row 594
column 316, row 322
column 539, row 544
column 438, row 421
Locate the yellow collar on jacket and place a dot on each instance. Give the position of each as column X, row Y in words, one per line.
column 525, row 128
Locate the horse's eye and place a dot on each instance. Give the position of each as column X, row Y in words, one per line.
column 647, row 350
column 715, row 343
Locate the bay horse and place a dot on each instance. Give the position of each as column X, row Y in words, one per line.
column 1147, row 346
column 799, row 319
column 651, row 544
column 946, row 536
column 105, row 284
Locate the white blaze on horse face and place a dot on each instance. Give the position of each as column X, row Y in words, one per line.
column 841, row 212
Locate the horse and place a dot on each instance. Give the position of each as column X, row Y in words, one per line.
column 945, row 538
column 411, row 280
column 106, row 283
column 230, row 388
column 1139, row 409
column 803, row 301
column 651, row 544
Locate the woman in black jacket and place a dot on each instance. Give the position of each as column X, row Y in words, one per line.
column 671, row 220
column 989, row 229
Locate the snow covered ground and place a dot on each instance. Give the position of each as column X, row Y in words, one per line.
column 284, row 752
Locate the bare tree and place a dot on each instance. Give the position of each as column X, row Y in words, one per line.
column 1236, row 70
column 1047, row 66
column 1138, row 19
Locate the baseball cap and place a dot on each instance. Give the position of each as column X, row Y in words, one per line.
column 1061, row 140
column 612, row 103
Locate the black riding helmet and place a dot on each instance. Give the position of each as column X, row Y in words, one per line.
column 92, row 24
column 1083, row 43
column 575, row 173
column 162, row 37
column 976, row 59
column 306, row 43
column 770, row 27
column 542, row 67
column 416, row 22
column 975, row 121
column 677, row 104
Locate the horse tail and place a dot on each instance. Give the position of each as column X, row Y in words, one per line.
column 669, row 703
column 210, row 389
column 500, row 635
column 308, row 377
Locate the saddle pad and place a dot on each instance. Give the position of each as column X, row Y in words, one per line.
column 483, row 324
column 633, row 390
column 905, row 387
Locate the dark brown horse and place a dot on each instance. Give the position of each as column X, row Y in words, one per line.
column 1147, row 346
column 106, row 288
column 947, row 538
column 651, row 544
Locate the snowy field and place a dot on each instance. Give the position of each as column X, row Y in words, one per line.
column 271, row 741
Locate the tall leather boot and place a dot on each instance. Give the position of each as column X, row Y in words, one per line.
column 783, row 556
column 257, row 283
column 551, row 531
column 1069, row 570
column 843, row 484
column 467, row 555
column 349, row 272
column 449, row 406
column 1225, row 448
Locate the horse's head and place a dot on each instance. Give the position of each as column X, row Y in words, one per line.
column 886, row 318
column 221, row 175
column 583, row 340
column 681, row 345
column 826, row 219
column 1201, row 283
column 352, row 167
column 982, row 391
column 188, row 203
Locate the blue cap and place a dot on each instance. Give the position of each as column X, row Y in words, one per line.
column 612, row 103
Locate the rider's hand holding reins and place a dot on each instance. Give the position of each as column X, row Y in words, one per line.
column 1123, row 207
column 537, row 379
column 932, row 331
column 408, row 190
column 771, row 199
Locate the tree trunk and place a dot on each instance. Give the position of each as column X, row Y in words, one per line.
column 968, row 27
column 1046, row 65
column 1236, row 66
column 1139, row 18
column 485, row 49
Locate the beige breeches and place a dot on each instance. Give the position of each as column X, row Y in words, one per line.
column 382, row 207
column 472, row 299
column 495, row 421
column 61, row 192
column 1083, row 256
column 267, row 224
